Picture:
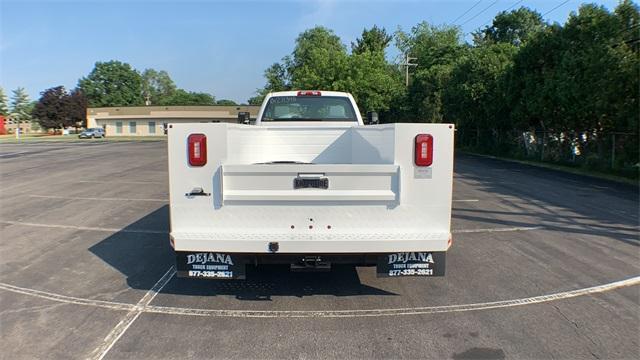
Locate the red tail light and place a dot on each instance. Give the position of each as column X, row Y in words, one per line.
column 309, row 93
column 197, row 144
column 424, row 150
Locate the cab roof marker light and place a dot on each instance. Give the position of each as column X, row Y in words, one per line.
column 309, row 93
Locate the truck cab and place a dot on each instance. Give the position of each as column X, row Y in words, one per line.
column 310, row 185
column 309, row 107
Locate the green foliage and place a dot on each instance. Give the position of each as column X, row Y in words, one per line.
column 183, row 97
column 628, row 17
column 320, row 61
column 57, row 108
column 226, row 102
column 113, row 83
column 436, row 49
column 571, row 87
column 431, row 45
column 372, row 81
column 515, row 27
column 373, row 40
column 576, row 77
column 20, row 105
column 4, row 103
column 256, row 100
column 157, row 86
column 560, row 92
column 473, row 94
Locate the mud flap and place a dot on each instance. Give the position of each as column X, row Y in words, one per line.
column 411, row 264
column 210, row 265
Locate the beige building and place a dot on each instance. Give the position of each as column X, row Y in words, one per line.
column 11, row 125
column 150, row 120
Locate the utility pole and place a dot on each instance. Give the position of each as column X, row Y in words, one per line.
column 407, row 63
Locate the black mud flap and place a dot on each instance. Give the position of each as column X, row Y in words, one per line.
column 210, row 265
column 411, row 264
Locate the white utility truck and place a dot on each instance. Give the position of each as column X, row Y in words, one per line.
column 310, row 185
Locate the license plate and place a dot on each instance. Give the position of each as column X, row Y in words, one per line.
column 411, row 264
column 311, row 183
column 210, row 265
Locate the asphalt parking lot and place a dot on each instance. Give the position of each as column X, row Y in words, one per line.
column 544, row 265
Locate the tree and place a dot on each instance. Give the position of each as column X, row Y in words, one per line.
column 628, row 16
column 515, row 27
column 372, row 81
column 57, row 108
column 20, row 106
column 436, row 49
column 4, row 103
column 226, row 102
column 77, row 110
column 183, row 97
column 319, row 61
column 112, row 83
column 473, row 97
column 373, row 40
column 256, row 100
column 278, row 76
column 278, row 79
column 156, row 86
column 51, row 111
column 579, row 82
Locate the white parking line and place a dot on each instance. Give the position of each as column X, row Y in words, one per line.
column 131, row 316
column 143, row 306
column 67, row 299
column 466, row 200
column 95, row 198
column 398, row 311
column 117, row 182
column 12, row 153
column 524, row 228
column 87, row 228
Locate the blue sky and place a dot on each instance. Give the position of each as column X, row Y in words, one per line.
column 212, row 46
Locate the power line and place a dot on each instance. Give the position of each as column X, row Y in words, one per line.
column 478, row 14
column 562, row 3
column 512, row 6
column 466, row 12
column 505, row 10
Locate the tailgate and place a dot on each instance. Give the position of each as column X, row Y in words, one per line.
column 274, row 183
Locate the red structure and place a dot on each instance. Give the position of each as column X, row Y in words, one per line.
column 3, row 131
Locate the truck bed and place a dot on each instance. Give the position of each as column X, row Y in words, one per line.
column 376, row 199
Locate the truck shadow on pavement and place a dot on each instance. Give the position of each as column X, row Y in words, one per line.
column 143, row 257
column 265, row 281
column 554, row 200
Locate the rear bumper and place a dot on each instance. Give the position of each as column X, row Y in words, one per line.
column 217, row 265
column 336, row 243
